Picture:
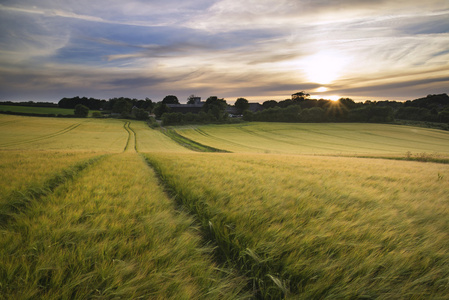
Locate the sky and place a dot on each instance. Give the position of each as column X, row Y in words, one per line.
column 256, row 49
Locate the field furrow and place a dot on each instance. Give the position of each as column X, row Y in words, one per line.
column 43, row 137
column 21, row 170
column 188, row 143
column 19, row 202
column 26, row 133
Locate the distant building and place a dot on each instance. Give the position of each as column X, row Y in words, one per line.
column 187, row 108
column 255, row 107
column 198, row 105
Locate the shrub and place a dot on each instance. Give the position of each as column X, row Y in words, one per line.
column 81, row 111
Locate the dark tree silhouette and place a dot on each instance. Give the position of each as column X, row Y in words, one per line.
column 170, row 99
column 241, row 104
column 300, row 96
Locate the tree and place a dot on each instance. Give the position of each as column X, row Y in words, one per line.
column 140, row 114
column 170, row 99
column 286, row 103
column 216, row 107
column 241, row 104
column 191, row 99
column 159, row 109
column 348, row 103
column 413, row 113
column 444, row 116
column 269, row 104
column 314, row 114
column 300, row 96
column 122, row 106
column 81, row 111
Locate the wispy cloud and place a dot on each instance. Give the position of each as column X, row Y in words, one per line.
column 260, row 49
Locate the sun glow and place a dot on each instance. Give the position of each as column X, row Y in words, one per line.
column 324, row 66
column 333, row 97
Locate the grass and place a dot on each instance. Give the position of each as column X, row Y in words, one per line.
column 331, row 227
column 37, row 110
column 40, row 110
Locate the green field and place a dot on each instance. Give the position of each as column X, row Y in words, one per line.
column 36, row 110
column 113, row 209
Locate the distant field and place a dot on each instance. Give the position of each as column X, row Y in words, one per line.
column 35, row 133
column 96, row 208
column 37, row 110
column 326, row 138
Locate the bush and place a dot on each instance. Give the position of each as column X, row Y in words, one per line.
column 172, row 119
column 81, row 111
column 153, row 123
column 97, row 114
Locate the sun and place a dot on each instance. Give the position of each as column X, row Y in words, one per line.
column 323, row 89
column 324, row 66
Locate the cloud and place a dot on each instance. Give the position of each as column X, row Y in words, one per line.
column 254, row 48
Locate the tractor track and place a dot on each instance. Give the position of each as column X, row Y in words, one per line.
column 44, row 137
column 131, row 142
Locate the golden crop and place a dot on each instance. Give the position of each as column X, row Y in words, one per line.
column 304, row 211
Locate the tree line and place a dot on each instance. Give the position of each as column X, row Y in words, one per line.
column 299, row 108
column 432, row 108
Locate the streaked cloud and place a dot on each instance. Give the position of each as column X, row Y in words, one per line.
column 259, row 49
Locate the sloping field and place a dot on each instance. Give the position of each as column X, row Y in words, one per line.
column 326, row 138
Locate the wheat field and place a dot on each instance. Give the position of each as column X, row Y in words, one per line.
column 114, row 209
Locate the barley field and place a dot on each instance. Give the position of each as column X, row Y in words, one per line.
column 114, row 209
column 118, row 237
column 323, row 138
column 36, row 133
column 329, row 227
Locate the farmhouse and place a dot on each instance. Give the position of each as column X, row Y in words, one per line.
column 187, row 108
column 196, row 107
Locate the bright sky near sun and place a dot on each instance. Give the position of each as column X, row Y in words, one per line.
column 257, row 49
